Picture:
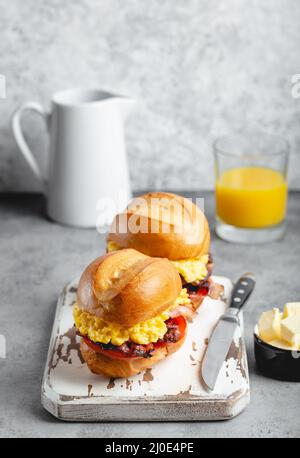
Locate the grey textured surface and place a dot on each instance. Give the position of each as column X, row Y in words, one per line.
column 39, row 257
column 199, row 68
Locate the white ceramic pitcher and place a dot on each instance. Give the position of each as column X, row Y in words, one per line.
column 87, row 159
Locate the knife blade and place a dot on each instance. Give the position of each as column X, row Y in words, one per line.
column 221, row 338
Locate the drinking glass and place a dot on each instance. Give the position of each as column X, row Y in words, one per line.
column 251, row 187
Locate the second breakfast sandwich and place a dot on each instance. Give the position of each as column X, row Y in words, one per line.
column 168, row 225
column 130, row 312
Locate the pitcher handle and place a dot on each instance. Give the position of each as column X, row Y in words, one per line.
column 20, row 140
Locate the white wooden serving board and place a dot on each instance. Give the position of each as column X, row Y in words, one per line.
column 171, row 391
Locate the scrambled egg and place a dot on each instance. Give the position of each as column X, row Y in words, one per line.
column 182, row 299
column 143, row 333
column 192, row 270
column 112, row 246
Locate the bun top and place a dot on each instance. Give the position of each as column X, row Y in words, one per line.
column 128, row 287
column 164, row 225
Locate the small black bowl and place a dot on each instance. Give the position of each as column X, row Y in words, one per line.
column 276, row 363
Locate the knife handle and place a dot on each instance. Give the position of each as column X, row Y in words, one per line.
column 242, row 290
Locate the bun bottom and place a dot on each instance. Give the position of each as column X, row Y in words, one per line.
column 99, row 363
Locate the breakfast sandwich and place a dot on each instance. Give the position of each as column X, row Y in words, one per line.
column 169, row 226
column 130, row 312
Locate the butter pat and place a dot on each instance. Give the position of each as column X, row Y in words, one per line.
column 269, row 325
column 290, row 330
column 291, row 309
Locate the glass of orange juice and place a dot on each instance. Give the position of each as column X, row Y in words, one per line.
column 251, row 187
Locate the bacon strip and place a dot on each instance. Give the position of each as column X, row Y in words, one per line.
column 215, row 290
column 197, row 293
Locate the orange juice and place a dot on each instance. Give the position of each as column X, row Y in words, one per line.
column 251, row 197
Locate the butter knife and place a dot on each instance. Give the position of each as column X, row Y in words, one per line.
column 221, row 338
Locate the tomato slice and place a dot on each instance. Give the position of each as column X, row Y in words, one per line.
column 180, row 321
column 116, row 354
column 203, row 291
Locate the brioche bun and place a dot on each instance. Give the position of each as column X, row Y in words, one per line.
column 128, row 287
column 161, row 216
column 100, row 363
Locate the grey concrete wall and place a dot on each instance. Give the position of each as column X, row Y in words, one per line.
column 199, row 69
